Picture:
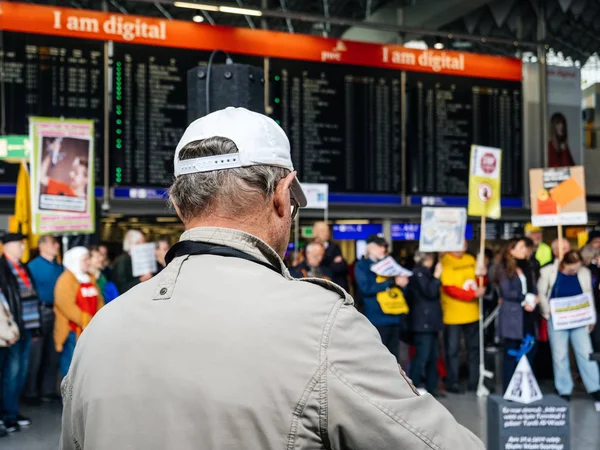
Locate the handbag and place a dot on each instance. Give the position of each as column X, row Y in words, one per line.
column 9, row 331
column 392, row 300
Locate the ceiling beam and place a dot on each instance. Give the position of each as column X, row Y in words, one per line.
column 345, row 22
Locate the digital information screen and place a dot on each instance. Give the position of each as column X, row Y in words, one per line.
column 344, row 123
column 446, row 114
column 149, row 112
column 52, row 76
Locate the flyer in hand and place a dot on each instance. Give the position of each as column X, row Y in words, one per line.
column 388, row 267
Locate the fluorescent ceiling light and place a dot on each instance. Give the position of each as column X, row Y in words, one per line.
column 243, row 11
column 438, row 46
column 196, row 6
column 198, row 18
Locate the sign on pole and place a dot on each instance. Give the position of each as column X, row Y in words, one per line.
column 317, row 195
column 484, row 181
column 558, row 196
column 442, row 229
column 62, row 175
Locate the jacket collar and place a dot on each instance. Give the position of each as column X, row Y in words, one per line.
column 238, row 240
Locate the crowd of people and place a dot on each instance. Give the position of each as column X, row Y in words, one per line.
column 44, row 307
column 439, row 304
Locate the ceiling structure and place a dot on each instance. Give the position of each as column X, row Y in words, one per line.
column 486, row 26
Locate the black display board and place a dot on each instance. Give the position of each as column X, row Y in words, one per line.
column 344, row 123
column 53, row 76
column 149, row 110
column 446, row 114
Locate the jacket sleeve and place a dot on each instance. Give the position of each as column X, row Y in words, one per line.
column 428, row 287
column 466, row 295
column 370, row 403
column 367, row 284
column 65, row 298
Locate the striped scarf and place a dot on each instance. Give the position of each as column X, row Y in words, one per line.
column 30, row 312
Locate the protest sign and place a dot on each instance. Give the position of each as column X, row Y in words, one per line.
column 558, row 196
column 143, row 259
column 484, row 182
column 62, row 175
column 317, row 195
column 442, row 229
column 573, row 312
column 388, row 267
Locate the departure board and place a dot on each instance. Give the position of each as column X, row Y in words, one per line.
column 344, row 123
column 52, row 76
column 149, row 112
column 446, row 114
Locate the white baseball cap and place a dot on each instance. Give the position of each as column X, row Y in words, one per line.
column 259, row 139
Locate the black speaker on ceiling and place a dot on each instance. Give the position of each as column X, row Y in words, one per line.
column 238, row 85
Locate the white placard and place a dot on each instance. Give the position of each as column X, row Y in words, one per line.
column 573, row 312
column 442, row 229
column 317, row 195
column 486, row 161
column 143, row 259
column 388, row 267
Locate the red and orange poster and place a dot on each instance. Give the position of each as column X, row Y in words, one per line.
column 558, row 196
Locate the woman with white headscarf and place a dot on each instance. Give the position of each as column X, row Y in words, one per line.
column 76, row 300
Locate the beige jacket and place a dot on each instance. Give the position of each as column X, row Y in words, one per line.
column 548, row 276
column 223, row 353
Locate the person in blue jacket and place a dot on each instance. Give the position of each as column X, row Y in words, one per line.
column 389, row 325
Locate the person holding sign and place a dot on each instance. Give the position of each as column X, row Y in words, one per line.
column 425, row 319
column 385, row 305
column 460, row 305
column 518, row 291
column 122, row 273
column 567, row 302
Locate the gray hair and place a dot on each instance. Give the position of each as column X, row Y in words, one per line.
column 232, row 192
column 422, row 256
column 588, row 254
column 313, row 245
column 132, row 237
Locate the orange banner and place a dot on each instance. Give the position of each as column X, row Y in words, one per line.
column 86, row 24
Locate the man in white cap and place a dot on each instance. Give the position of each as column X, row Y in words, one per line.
column 223, row 349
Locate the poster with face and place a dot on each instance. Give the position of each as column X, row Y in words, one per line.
column 62, row 183
column 64, row 174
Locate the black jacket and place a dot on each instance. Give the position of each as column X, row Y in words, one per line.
column 10, row 287
column 424, row 301
column 339, row 269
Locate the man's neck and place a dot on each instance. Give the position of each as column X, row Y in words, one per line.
column 250, row 226
column 47, row 257
column 12, row 259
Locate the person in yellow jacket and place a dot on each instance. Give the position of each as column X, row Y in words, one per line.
column 542, row 251
column 460, row 308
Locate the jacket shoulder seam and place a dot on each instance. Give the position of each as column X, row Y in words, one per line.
column 392, row 415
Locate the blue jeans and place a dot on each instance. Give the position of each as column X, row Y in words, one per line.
column 14, row 375
column 67, row 354
column 425, row 361
column 582, row 347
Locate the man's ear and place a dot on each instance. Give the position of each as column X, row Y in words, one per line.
column 281, row 196
column 176, row 209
